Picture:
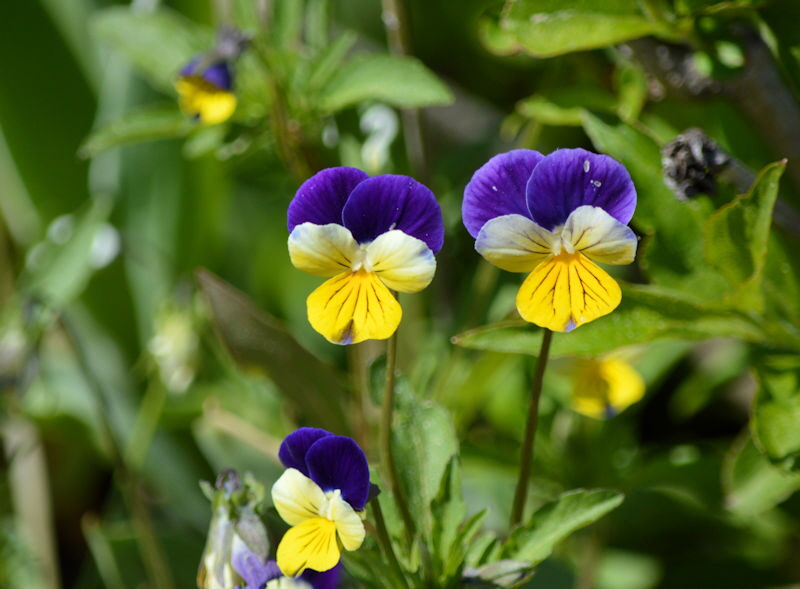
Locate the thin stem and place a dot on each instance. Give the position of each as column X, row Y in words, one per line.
column 385, row 441
column 526, row 457
column 385, row 541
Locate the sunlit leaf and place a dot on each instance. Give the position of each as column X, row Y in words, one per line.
column 736, row 238
column 534, row 541
column 546, row 28
column 777, row 411
column 398, row 81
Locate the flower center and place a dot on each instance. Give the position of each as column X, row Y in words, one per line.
column 560, row 244
column 333, row 499
column 360, row 261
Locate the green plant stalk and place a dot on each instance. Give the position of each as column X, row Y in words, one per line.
column 385, row 439
column 526, row 455
column 385, row 542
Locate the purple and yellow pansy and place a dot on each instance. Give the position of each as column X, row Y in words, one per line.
column 205, row 90
column 321, row 495
column 370, row 236
column 554, row 217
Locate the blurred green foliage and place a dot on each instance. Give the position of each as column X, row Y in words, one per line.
column 133, row 364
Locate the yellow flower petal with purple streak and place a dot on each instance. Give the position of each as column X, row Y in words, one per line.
column 198, row 97
column 514, row 243
column 353, row 307
column 603, row 387
column 311, row 544
column 566, row 291
column 599, row 236
column 403, row 263
column 322, row 250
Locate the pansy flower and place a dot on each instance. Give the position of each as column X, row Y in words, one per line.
column 205, row 91
column 603, row 387
column 321, row 495
column 205, row 84
column 554, row 217
column 370, row 236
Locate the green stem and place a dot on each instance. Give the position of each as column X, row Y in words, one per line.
column 526, row 457
column 385, row 441
column 385, row 542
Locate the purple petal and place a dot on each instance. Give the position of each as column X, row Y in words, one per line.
column 219, row 75
column 294, row 447
column 569, row 178
column 337, row 462
column 321, row 198
column 329, row 579
column 189, row 68
column 498, row 188
column 254, row 572
column 389, row 202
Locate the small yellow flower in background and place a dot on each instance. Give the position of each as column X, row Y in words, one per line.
column 205, row 85
column 604, row 387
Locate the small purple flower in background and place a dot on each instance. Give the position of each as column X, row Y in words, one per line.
column 554, row 216
column 321, row 495
column 369, row 236
column 258, row 574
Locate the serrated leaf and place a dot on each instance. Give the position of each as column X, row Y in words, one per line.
column 315, row 392
column 736, row 238
column 396, row 80
column 424, row 442
column 546, row 28
column 149, row 124
column 752, row 484
column 157, row 44
column 534, row 541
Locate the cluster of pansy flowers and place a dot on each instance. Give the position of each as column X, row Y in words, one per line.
column 205, row 85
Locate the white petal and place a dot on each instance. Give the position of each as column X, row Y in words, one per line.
column 514, row 243
column 402, row 262
column 599, row 236
column 349, row 526
column 296, row 497
column 323, row 250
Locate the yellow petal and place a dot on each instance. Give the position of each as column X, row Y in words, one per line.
column 311, row 545
column 566, row 291
column 353, row 307
column 403, row 263
column 323, row 250
column 604, row 387
column 599, row 236
column 198, row 97
column 348, row 522
column 296, row 497
column 514, row 243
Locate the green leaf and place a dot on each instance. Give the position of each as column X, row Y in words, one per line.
column 534, row 541
column 59, row 270
column 501, row 573
column 646, row 314
column 158, row 44
column 736, row 238
column 546, row 28
column 752, row 484
column 777, row 411
column 399, row 81
column 424, row 443
column 314, row 391
column 148, row 124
